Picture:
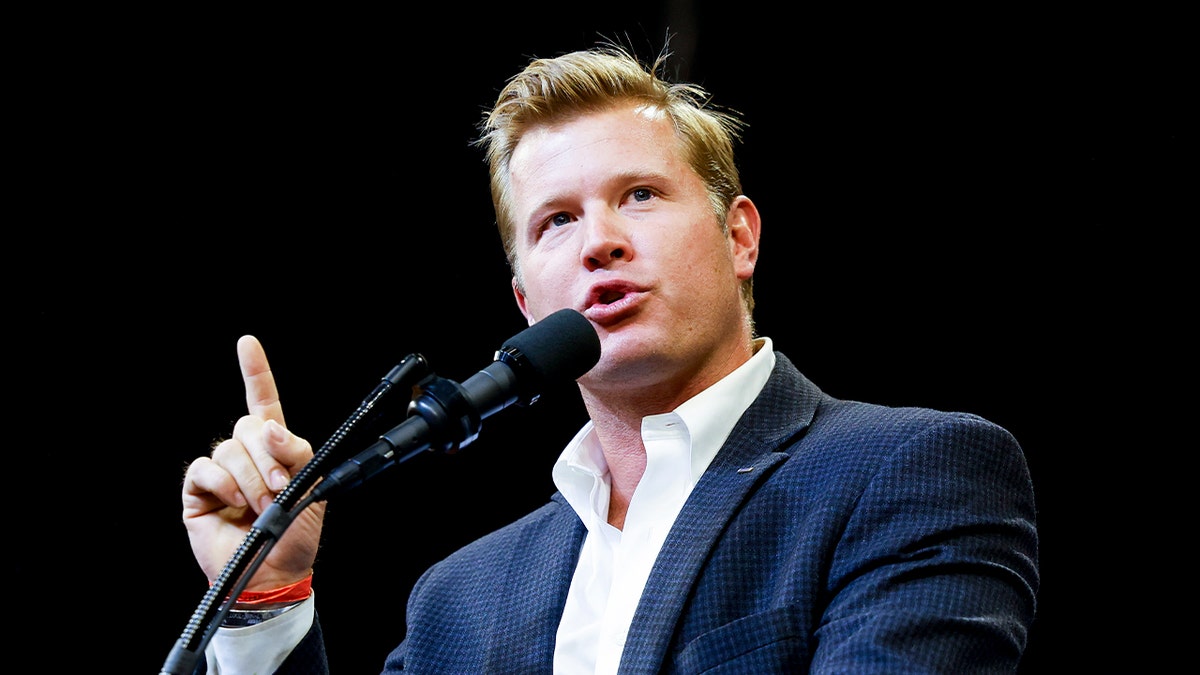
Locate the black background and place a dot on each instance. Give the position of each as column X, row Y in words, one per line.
column 965, row 210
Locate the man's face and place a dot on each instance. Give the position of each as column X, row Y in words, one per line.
column 612, row 221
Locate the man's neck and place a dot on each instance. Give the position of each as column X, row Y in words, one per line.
column 617, row 421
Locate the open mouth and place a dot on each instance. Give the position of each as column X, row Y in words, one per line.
column 612, row 301
column 609, row 297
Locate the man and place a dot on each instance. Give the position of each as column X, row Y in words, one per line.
column 718, row 513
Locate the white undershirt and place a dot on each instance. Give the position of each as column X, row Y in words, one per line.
column 614, row 564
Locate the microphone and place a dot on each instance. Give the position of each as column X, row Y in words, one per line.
column 560, row 348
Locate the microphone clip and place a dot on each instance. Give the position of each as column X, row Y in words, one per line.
column 452, row 418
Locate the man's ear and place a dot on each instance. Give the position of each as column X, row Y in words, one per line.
column 520, row 297
column 745, row 227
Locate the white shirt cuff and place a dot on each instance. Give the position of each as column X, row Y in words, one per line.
column 260, row 648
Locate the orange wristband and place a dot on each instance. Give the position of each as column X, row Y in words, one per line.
column 287, row 594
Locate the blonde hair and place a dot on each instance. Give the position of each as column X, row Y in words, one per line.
column 551, row 90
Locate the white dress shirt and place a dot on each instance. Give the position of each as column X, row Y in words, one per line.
column 614, row 564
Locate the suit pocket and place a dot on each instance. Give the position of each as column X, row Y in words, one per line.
column 768, row 642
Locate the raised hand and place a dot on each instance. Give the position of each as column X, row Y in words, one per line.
column 224, row 493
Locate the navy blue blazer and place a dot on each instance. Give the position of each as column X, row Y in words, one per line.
column 827, row 536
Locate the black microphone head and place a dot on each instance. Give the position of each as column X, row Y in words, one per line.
column 562, row 347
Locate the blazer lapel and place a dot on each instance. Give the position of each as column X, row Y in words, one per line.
column 784, row 408
column 534, row 590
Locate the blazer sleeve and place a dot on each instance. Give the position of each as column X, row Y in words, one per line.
column 937, row 566
column 308, row 658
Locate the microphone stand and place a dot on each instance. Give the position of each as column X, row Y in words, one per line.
column 446, row 414
column 270, row 526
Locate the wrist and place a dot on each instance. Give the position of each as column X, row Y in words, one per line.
column 254, row 607
column 275, row 597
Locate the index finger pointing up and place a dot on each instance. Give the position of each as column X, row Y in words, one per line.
column 262, row 398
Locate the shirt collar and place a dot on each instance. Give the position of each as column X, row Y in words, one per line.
column 581, row 473
column 712, row 414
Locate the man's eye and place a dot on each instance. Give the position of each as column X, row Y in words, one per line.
column 642, row 195
column 560, row 219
